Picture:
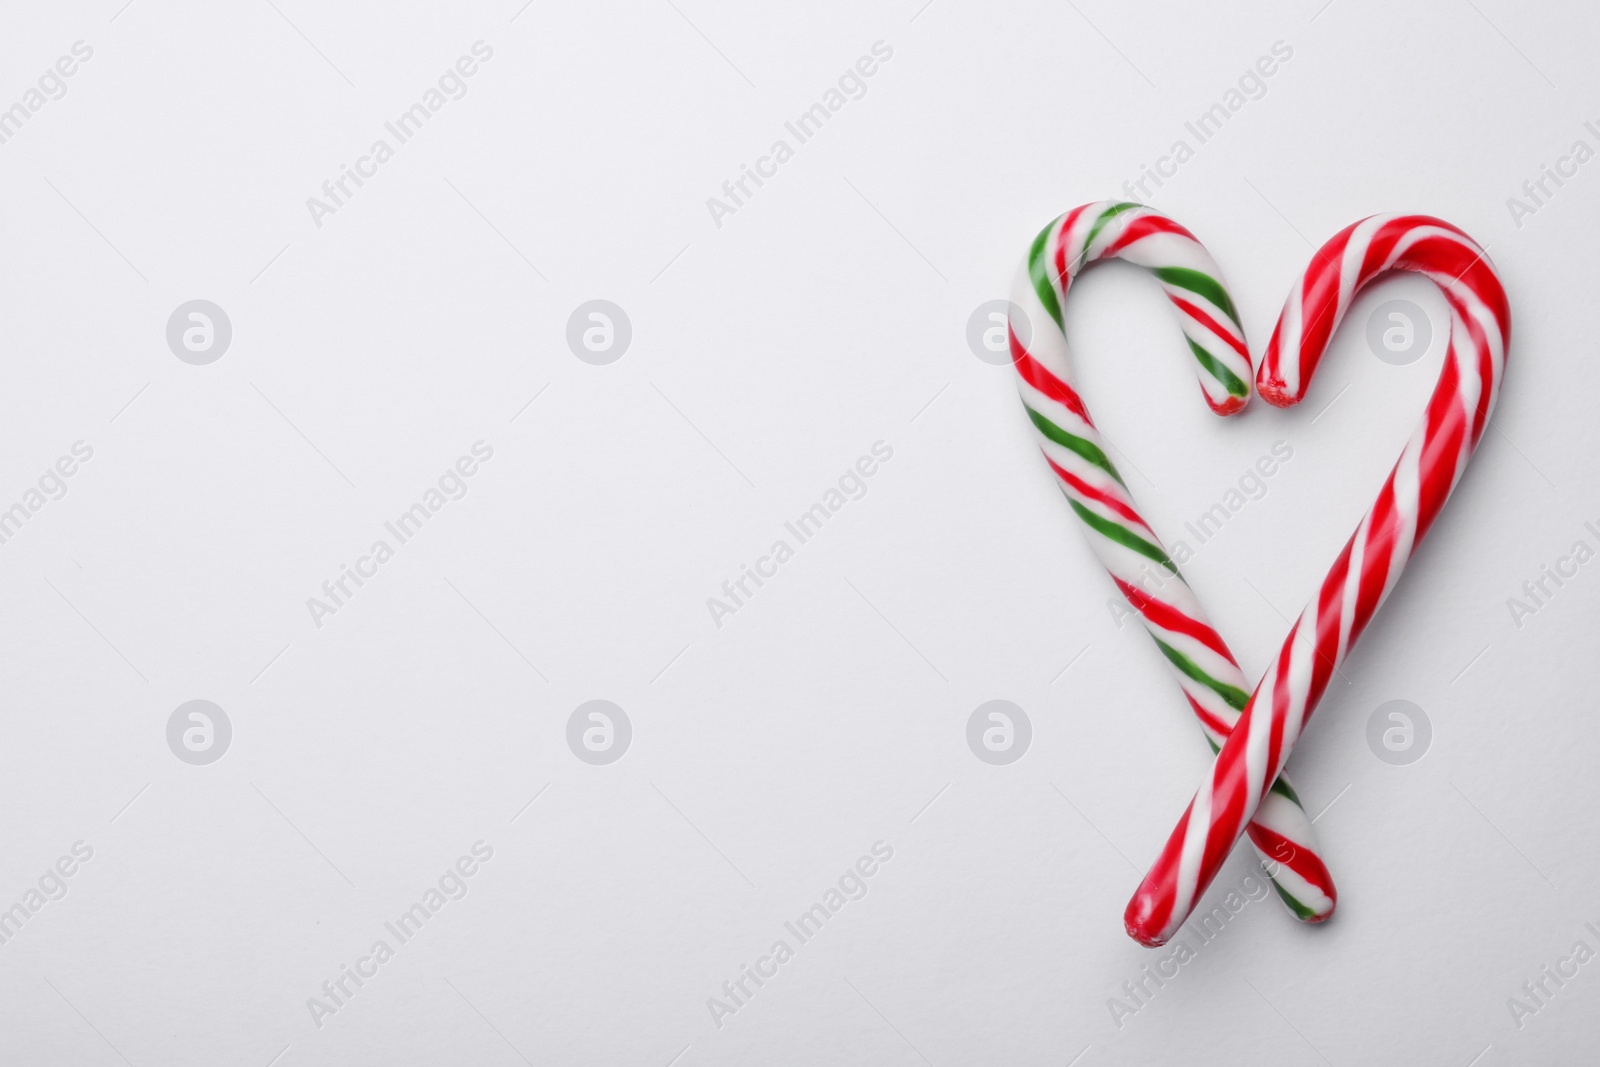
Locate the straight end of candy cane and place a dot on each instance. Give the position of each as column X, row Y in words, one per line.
column 1285, row 844
column 1231, row 406
column 1142, row 935
column 1140, row 918
column 1276, row 391
column 1304, row 887
column 1310, row 901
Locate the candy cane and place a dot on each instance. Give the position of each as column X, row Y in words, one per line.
column 1429, row 467
column 1127, row 547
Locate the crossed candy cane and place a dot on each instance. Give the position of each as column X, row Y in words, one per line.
column 1254, row 734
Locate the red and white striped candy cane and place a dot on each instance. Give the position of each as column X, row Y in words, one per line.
column 1429, row 467
column 1129, row 549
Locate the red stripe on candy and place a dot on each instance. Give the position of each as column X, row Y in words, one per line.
column 1038, row 375
column 1142, row 227
column 1170, row 618
column 1204, row 319
column 1099, row 496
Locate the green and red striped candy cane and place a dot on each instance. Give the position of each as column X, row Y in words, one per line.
column 1366, row 571
column 1141, row 568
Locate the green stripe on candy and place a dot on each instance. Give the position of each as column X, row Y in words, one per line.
column 1281, row 787
column 1121, row 535
column 1081, row 445
column 1301, row 912
column 1235, row 697
column 1200, row 284
column 1230, row 381
column 1038, row 275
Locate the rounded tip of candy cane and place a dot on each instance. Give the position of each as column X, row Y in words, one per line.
column 1231, row 406
column 1137, row 921
column 1323, row 910
column 1276, row 392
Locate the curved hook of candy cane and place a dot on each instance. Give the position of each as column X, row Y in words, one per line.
column 1140, row 235
column 1361, row 578
column 1126, row 545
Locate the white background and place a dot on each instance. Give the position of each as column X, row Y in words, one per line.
column 828, row 313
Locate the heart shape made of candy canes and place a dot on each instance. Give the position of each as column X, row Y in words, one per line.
column 1254, row 732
